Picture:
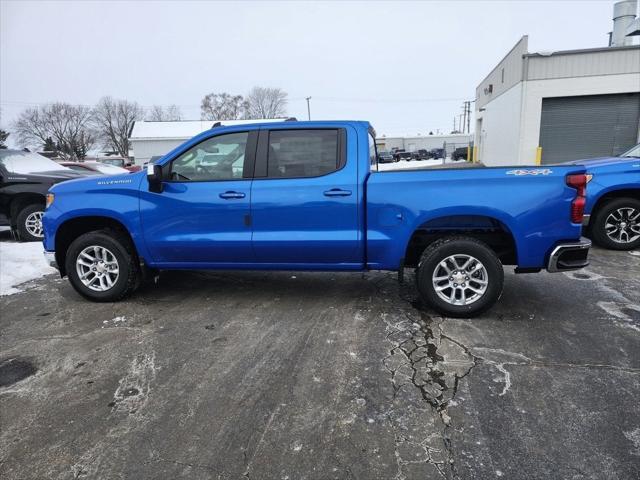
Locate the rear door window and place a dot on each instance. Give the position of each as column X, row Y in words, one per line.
column 303, row 153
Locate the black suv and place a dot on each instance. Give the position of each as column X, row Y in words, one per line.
column 436, row 153
column 459, row 154
column 25, row 178
column 386, row 157
column 421, row 154
column 402, row 155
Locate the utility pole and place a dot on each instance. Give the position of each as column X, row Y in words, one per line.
column 464, row 117
column 308, row 108
column 468, row 116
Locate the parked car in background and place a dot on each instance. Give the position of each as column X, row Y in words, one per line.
column 94, row 168
column 613, row 200
column 120, row 162
column 436, row 153
column 297, row 196
column 402, row 155
column 25, row 178
column 421, row 154
column 459, row 153
column 386, row 157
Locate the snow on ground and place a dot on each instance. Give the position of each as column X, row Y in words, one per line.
column 404, row 165
column 19, row 263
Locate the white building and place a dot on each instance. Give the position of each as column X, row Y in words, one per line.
column 555, row 107
column 411, row 143
column 154, row 139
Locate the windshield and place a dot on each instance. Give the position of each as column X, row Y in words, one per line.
column 28, row 162
column 633, row 153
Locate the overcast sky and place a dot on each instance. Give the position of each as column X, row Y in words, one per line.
column 405, row 66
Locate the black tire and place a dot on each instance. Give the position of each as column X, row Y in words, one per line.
column 437, row 252
column 24, row 233
column 599, row 219
column 120, row 246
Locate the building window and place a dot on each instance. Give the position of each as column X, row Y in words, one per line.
column 503, row 75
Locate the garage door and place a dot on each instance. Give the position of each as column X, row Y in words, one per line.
column 588, row 126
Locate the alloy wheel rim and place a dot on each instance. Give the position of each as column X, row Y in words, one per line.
column 97, row 268
column 460, row 279
column 623, row 225
column 33, row 224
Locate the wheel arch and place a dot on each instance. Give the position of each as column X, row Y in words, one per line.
column 486, row 228
column 22, row 200
column 71, row 229
column 614, row 194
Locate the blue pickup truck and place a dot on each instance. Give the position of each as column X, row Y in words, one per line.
column 307, row 196
column 612, row 212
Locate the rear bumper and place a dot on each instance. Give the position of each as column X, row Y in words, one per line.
column 569, row 256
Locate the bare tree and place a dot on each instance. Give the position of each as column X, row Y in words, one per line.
column 114, row 120
column 266, row 103
column 221, row 106
column 68, row 125
column 3, row 138
column 158, row 113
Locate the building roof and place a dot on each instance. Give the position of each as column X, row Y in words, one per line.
column 410, row 136
column 583, row 50
column 183, row 129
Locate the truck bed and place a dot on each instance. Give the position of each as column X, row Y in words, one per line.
column 532, row 204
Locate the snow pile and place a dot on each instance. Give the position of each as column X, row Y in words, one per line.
column 19, row 263
column 404, row 165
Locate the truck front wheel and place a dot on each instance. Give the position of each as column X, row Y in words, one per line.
column 459, row 276
column 102, row 266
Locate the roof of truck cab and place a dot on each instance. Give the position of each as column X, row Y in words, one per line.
column 304, row 123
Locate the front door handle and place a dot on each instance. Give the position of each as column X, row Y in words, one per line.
column 337, row 192
column 230, row 195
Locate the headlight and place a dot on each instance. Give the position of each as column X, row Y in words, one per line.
column 50, row 198
column 589, row 177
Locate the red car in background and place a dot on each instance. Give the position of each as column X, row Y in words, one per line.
column 96, row 168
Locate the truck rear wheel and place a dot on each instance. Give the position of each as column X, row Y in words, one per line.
column 102, row 266
column 459, row 276
column 29, row 223
column 616, row 224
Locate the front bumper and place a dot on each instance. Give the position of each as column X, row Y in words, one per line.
column 50, row 258
column 569, row 256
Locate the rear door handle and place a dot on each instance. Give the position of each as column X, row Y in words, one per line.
column 337, row 192
column 230, row 195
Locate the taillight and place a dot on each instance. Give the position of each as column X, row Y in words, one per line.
column 579, row 182
column 577, row 209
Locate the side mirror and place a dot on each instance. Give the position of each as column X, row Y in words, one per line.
column 154, row 177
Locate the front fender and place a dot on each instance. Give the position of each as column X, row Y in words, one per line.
column 119, row 202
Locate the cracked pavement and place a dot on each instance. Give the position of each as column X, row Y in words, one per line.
column 280, row 375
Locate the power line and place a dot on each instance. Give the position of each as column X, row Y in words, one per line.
column 294, row 99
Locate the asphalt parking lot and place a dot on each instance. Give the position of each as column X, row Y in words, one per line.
column 321, row 376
